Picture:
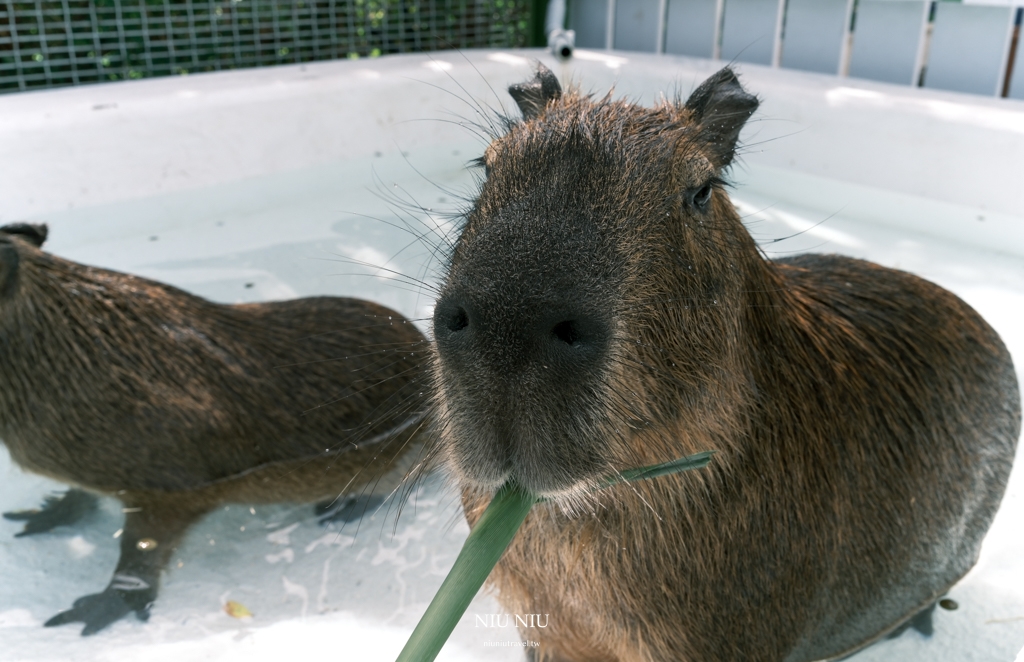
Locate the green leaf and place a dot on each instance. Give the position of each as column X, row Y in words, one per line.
column 696, row 461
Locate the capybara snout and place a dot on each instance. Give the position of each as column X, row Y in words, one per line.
column 520, row 328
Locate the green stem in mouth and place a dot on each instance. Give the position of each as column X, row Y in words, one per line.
column 695, row 461
column 483, row 548
column 480, row 553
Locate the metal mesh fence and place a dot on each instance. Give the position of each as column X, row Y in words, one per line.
column 51, row 43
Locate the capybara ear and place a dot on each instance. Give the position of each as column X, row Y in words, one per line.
column 34, row 233
column 720, row 107
column 9, row 261
column 533, row 95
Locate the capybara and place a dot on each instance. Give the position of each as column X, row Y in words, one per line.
column 126, row 387
column 604, row 308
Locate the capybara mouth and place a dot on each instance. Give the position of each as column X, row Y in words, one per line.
column 544, row 464
column 552, row 449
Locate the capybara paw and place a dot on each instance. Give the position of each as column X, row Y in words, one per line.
column 99, row 610
column 57, row 510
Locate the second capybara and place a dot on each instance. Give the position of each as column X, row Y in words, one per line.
column 605, row 308
column 122, row 386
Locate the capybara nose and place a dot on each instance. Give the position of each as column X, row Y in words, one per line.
column 509, row 338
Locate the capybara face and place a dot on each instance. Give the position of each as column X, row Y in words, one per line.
column 594, row 262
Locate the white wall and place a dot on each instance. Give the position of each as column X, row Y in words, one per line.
column 85, row 146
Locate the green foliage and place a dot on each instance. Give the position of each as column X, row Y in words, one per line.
column 47, row 43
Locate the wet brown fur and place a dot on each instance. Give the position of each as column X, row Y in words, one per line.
column 865, row 420
column 172, row 404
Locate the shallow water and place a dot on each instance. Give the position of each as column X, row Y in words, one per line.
column 356, row 593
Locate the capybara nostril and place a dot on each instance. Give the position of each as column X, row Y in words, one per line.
column 578, row 340
column 457, row 320
column 567, row 332
column 450, row 319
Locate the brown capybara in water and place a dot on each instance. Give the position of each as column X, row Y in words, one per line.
column 605, row 308
column 172, row 404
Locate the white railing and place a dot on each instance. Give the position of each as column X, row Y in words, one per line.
column 960, row 46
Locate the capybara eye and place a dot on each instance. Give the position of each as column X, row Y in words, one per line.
column 702, row 197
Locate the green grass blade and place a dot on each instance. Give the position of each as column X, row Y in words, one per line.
column 696, row 461
column 484, row 546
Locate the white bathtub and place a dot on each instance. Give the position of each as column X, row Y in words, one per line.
column 270, row 183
